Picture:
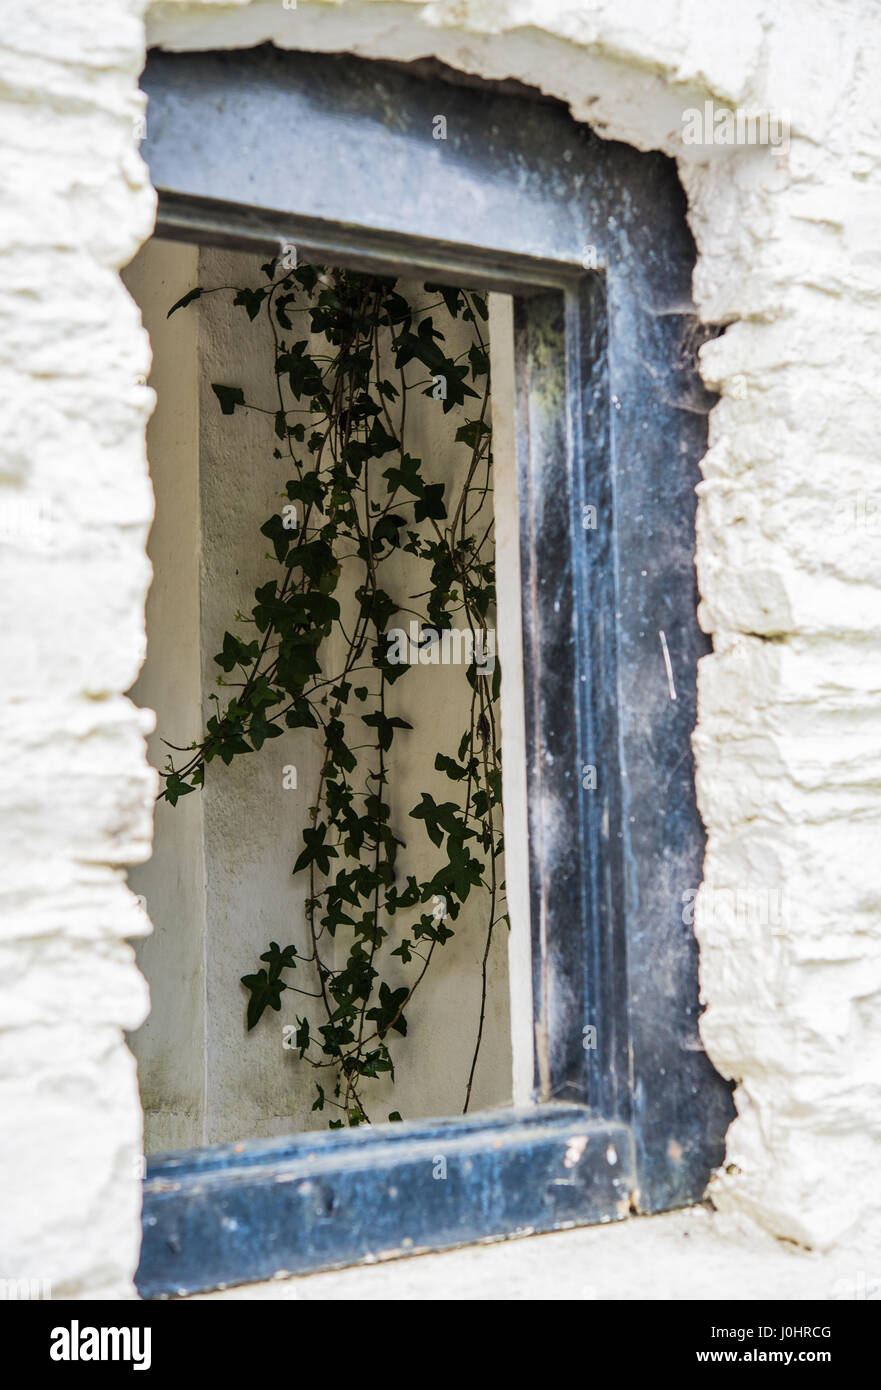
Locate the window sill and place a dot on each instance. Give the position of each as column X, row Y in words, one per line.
column 690, row 1254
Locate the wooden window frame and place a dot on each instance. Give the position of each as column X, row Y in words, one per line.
column 337, row 155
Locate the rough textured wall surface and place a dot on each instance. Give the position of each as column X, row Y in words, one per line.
column 789, row 735
column 75, row 506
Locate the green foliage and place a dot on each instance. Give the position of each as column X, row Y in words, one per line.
column 359, row 497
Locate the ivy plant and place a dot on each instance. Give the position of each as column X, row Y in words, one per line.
column 356, row 497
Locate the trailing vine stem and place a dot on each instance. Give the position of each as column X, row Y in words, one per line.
column 345, row 515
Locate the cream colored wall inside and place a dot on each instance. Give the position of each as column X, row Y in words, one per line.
column 252, row 824
column 433, row 1064
column 170, row 1045
column 510, row 641
column 219, row 886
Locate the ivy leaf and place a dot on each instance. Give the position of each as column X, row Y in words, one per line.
column 300, row 715
column 470, row 432
column 456, row 388
column 307, row 276
column 308, row 489
column 431, row 503
column 380, row 441
column 282, row 536
column 451, row 296
column 406, row 476
column 385, row 727
column 262, row 696
column 338, row 751
column 304, row 375
column 422, row 346
column 335, row 1036
column 278, row 959
column 375, row 1062
column 296, row 663
column 439, row 818
column 355, row 454
column 316, row 851
column 387, row 531
column 390, row 1001
column 229, row 397
column 317, row 561
column 260, row 729
column 464, row 871
column 479, row 360
column 454, row 771
column 265, row 993
column 392, row 671
column 184, row 301
column 236, row 652
column 302, row 1039
column 281, row 305
column 251, row 300
column 376, row 605
column 311, row 607
column 231, row 746
column 408, row 898
column 395, row 308
column 175, row 788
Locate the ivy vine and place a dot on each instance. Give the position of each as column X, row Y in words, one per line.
column 356, row 497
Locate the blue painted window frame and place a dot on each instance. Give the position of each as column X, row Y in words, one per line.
column 338, row 156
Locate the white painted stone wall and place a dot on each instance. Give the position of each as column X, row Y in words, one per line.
column 789, row 734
